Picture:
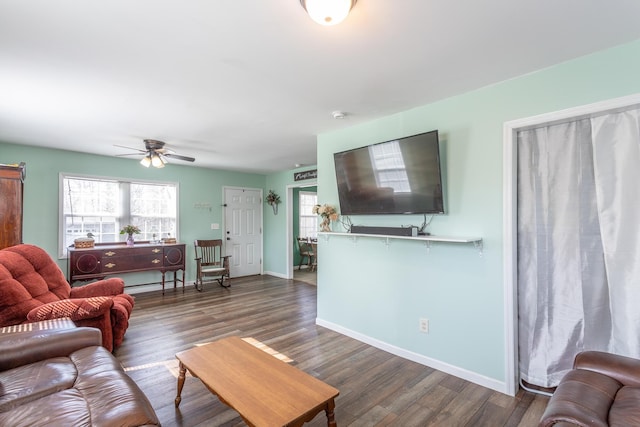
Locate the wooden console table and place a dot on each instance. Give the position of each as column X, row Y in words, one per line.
column 115, row 258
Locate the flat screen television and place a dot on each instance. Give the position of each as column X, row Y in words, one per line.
column 402, row 176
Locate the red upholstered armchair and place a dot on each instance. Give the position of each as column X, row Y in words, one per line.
column 33, row 288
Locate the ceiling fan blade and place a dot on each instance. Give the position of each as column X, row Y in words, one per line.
column 179, row 157
column 153, row 147
column 130, row 154
column 130, row 148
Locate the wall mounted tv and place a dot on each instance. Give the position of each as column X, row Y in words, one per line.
column 402, row 176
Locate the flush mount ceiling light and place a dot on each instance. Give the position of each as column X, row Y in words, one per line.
column 328, row 12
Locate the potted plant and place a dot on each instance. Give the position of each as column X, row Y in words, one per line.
column 130, row 230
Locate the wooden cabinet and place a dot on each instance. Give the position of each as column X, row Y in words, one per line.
column 85, row 263
column 11, row 184
column 109, row 259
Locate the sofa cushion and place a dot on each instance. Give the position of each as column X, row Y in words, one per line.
column 37, row 271
column 21, row 385
column 90, row 361
column 65, row 408
column 625, row 410
column 86, row 388
column 107, row 390
column 75, row 309
column 23, row 269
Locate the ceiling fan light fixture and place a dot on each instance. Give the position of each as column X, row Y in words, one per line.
column 328, row 12
column 155, row 154
column 157, row 161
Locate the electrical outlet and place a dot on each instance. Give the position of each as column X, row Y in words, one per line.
column 424, row 325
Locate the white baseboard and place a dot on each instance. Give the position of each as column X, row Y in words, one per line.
column 467, row 375
column 136, row 289
column 273, row 273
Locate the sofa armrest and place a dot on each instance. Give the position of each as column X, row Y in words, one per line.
column 626, row 370
column 22, row 348
column 75, row 309
column 112, row 286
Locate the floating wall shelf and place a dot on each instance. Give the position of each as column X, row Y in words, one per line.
column 426, row 240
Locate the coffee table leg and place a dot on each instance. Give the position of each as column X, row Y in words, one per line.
column 183, row 372
column 331, row 420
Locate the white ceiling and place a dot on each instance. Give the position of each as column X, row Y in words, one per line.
column 248, row 84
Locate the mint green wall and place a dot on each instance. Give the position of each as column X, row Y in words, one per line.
column 380, row 291
column 196, row 185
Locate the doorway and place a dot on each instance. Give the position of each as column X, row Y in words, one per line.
column 510, row 170
column 292, row 212
column 243, row 230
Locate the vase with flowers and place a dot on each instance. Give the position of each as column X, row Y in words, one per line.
column 130, row 230
column 328, row 214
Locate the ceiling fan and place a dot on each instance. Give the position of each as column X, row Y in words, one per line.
column 155, row 154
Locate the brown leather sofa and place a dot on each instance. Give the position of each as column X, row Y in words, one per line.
column 63, row 377
column 33, row 288
column 602, row 390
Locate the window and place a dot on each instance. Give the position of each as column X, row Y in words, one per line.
column 103, row 206
column 389, row 167
column 308, row 222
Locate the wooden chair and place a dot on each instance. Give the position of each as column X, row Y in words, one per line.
column 314, row 259
column 211, row 263
column 305, row 251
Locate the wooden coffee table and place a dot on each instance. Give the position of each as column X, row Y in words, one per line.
column 265, row 391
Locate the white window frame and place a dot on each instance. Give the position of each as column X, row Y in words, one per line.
column 389, row 168
column 123, row 217
column 314, row 232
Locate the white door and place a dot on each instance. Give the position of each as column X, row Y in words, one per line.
column 243, row 230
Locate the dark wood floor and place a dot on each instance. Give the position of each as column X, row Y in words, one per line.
column 376, row 388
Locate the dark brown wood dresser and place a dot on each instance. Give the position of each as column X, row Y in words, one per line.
column 106, row 259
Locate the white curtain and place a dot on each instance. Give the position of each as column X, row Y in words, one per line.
column 578, row 242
